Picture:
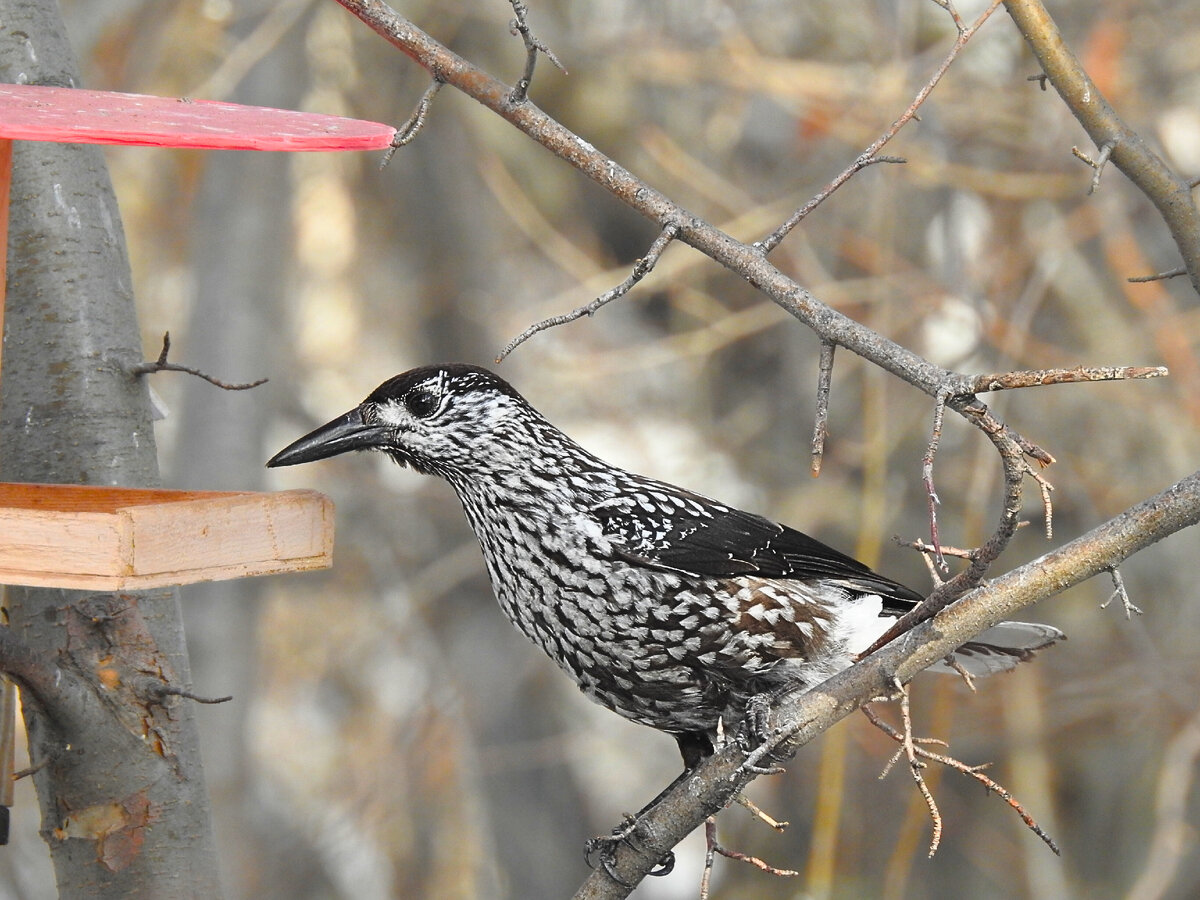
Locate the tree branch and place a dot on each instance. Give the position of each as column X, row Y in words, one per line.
column 641, row 269
column 161, row 365
column 1169, row 193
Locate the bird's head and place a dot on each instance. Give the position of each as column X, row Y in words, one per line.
column 450, row 420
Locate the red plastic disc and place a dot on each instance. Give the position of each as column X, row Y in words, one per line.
column 67, row 115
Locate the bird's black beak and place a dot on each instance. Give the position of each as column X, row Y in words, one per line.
column 348, row 432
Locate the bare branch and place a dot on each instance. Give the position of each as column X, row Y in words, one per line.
column 869, row 156
column 949, row 7
column 866, row 158
column 161, row 365
column 1119, row 591
column 821, row 423
column 533, row 46
column 641, row 269
column 1169, row 193
column 929, row 550
column 939, row 413
column 1098, row 163
column 409, row 130
column 775, row 824
column 915, row 765
column 1160, row 276
column 745, row 260
column 975, row 772
column 1039, row 378
column 1047, row 505
column 158, row 691
column 714, row 848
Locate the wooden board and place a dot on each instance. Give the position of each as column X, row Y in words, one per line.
column 110, row 538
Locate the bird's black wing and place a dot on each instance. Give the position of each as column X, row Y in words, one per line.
column 664, row 527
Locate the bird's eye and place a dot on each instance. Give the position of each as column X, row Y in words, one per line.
column 421, row 403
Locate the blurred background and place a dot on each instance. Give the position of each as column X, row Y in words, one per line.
column 392, row 735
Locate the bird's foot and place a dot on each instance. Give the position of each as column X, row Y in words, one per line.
column 758, row 739
column 629, row 832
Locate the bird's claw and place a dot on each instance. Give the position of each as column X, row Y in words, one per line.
column 604, row 847
column 757, row 738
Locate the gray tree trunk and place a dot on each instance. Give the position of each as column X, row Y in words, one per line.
column 124, row 807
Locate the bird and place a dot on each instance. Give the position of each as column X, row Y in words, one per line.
column 669, row 608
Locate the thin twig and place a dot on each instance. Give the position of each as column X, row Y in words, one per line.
column 763, row 817
column 939, row 413
column 821, row 423
column 34, row 769
column 1159, row 276
column 949, row 7
column 533, row 46
column 161, row 365
column 1119, row 591
column 1046, row 488
column 915, row 766
column 928, row 549
column 975, row 772
column 1005, row 381
column 1098, row 163
column 866, row 158
column 641, row 269
column 406, row 132
column 967, row 677
column 167, row 690
column 870, row 155
column 714, row 848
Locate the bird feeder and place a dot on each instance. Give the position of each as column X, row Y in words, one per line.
column 118, row 538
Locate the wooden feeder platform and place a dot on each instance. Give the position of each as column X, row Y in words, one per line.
column 113, row 539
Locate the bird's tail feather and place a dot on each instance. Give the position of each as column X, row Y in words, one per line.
column 999, row 649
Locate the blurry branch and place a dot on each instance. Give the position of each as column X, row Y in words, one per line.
column 641, row 269
column 868, row 156
column 1158, row 276
column 237, row 61
column 802, row 716
column 1169, row 193
column 1173, row 832
column 161, row 365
